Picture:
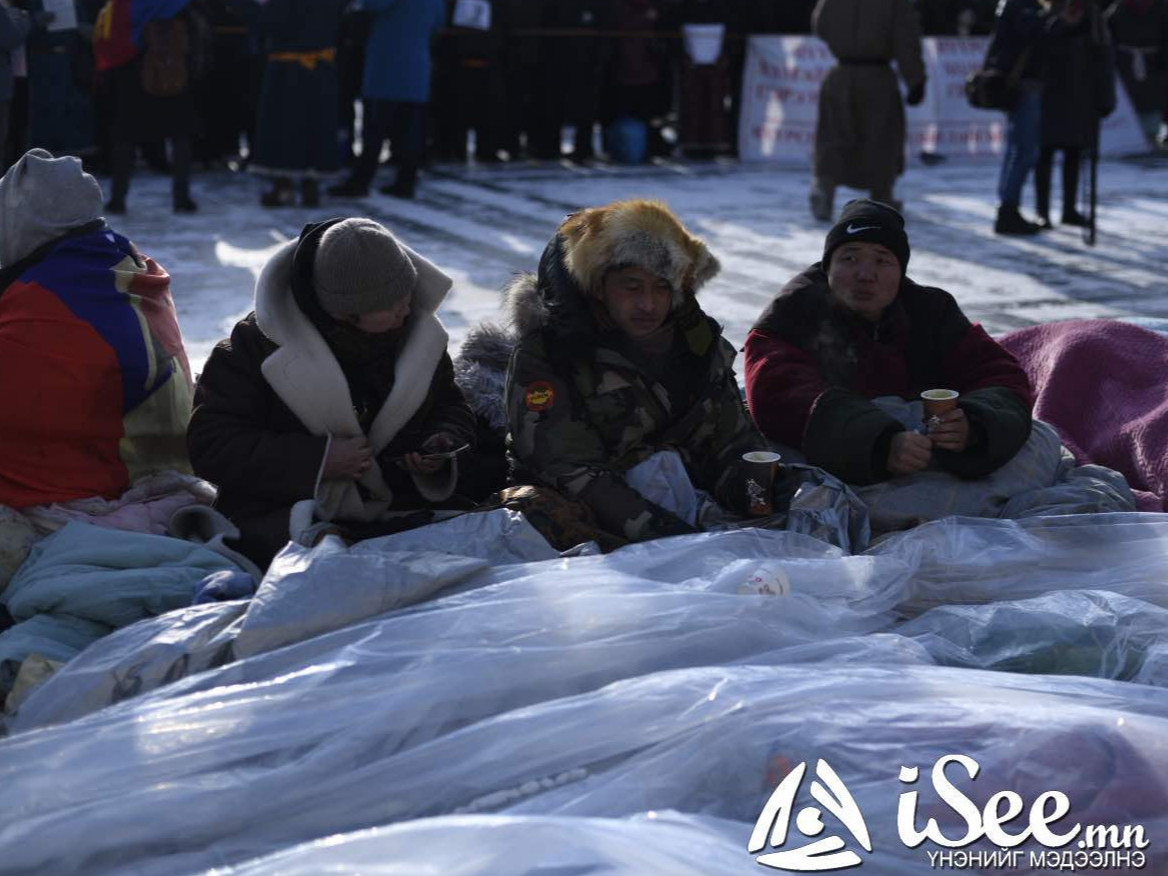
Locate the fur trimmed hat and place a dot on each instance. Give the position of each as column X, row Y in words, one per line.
column 643, row 234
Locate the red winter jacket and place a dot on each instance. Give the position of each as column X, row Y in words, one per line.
column 811, row 369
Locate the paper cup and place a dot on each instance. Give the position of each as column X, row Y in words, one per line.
column 939, row 401
column 761, row 467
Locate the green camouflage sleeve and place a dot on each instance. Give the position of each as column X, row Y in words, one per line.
column 730, row 433
column 552, row 441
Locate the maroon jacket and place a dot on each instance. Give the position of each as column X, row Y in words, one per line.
column 811, row 369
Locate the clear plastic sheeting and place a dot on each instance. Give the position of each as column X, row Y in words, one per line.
column 468, row 845
column 961, row 560
column 1065, row 633
column 500, row 537
column 247, row 749
column 132, row 661
column 310, row 591
column 217, row 778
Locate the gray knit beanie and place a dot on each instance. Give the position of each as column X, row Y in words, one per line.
column 361, row 268
column 41, row 198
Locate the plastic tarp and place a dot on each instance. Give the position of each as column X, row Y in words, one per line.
column 1041, row 479
column 1080, row 632
column 685, row 677
column 468, row 845
column 591, row 617
column 976, row 561
column 215, row 778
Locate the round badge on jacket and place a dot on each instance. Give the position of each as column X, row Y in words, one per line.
column 540, row 396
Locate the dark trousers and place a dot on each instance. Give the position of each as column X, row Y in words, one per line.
column 123, row 166
column 1042, row 175
column 405, row 126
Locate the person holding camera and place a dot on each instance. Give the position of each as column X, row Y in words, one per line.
column 334, row 403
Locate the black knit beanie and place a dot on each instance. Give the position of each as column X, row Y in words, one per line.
column 869, row 222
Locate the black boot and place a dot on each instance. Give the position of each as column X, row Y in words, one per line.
column 1042, row 172
column 350, row 188
column 280, row 194
column 1010, row 221
column 405, row 185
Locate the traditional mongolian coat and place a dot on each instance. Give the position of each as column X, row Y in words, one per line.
column 859, row 136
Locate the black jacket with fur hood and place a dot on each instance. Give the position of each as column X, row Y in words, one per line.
column 584, row 406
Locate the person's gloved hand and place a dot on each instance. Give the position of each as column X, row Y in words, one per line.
column 915, row 94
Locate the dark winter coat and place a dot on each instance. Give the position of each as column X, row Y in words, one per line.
column 1140, row 31
column 582, row 410
column 859, row 135
column 296, row 131
column 811, row 368
column 270, row 397
column 397, row 55
column 140, row 117
column 1023, row 25
column 1079, row 87
column 14, row 28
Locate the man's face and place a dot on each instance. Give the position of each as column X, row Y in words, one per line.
column 637, row 300
column 381, row 321
column 864, row 278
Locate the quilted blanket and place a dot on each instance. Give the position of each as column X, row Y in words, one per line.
column 1102, row 385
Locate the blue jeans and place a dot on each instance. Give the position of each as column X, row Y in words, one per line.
column 1023, row 142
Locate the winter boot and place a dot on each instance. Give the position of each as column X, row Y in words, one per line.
column 280, row 194
column 821, row 197
column 405, row 184
column 1010, row 221
column 1071, row 216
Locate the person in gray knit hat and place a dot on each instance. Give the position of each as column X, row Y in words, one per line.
column 94, row 395
column 333, row 405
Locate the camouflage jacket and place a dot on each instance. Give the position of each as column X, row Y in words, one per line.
column 580, row 413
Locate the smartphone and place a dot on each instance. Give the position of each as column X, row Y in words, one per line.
column 446, row 454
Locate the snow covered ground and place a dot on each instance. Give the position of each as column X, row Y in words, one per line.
column 481, row 224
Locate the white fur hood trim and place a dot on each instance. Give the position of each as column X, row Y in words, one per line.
column 306, row 376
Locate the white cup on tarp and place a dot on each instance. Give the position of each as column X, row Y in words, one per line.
column 703, row 42
column 761, row 469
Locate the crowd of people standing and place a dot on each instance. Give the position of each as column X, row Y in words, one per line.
column 302, row 81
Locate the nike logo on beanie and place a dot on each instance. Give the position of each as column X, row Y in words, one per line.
column 852, row 229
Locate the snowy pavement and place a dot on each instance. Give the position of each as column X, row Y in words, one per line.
column 482, row 224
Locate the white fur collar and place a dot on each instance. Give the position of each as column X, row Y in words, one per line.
column 306, row 376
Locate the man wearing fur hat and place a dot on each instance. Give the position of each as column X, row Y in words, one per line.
column 616, row 362
column 853, row 328
column 94, row 377
column 334, row 399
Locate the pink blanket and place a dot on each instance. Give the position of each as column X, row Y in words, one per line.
column 1104, row 386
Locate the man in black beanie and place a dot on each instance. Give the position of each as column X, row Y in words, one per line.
column 853, row 328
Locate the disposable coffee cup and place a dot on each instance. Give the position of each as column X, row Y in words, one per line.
column 761, row 467
column 939, row 401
